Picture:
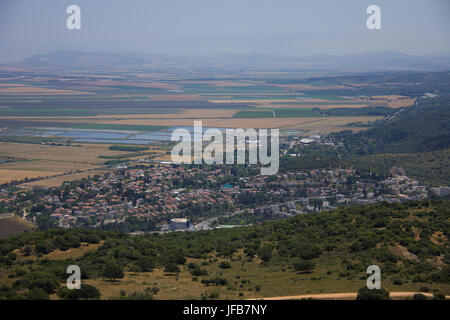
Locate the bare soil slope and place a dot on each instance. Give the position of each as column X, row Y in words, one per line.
column 12, row 225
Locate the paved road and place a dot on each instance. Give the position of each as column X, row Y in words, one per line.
column 205, row 224
column 347, row 295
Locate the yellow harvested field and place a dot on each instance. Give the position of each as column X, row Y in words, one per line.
column 311, row 106
column 224, row 83
column 394, row 101
column 8, row 89
column 308, row 87
column 329, row 130
column 47, row 165
column 221, row 123
column 58, row 163
column 160, row 85
column 166, row 157
column 42, row 161
column 388, row 97
column 87, row 153
column 59, row 180
column 184, row 114
column 254, row 101
column 401, row 103
column 250, row 123
column 7, row 175
column 332, row 124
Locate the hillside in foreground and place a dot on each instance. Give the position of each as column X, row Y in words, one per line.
column 11, row 225
column 326, row 252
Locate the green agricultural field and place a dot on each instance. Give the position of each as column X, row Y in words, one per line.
column 75, row 125
column 296, row 113
column 316, row 103
column 278, row 113
column 128, row 148
column 254, row 114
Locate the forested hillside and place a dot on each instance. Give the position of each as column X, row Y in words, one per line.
column 425, row 127
column 322, row 252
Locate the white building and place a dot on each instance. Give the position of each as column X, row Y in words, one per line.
column 179, row 223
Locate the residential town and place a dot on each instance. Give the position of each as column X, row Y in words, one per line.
column 160, row 193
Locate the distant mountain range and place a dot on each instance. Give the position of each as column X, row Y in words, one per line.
column 374, row 61
column 69, row 59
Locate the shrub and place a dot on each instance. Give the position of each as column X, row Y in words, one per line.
column 37, row 294
column 439, row 296
column 146, row 264
column 374, row 294
column 225, row 265
column 304, row 266
column 419, row 296
column 113, row 271
column 214, row 295
column 265, row 253
column 85, row 292
column 199, row 272
column 42, row 280
column 171, row 268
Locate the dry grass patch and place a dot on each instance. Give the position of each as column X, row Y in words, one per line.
column 46, row 161
column 222, row 123
column 10, row 175
column 51, row 167
column 394, row 101
column 72, row 253
column 14, row 89
column 85, row 153
column 58, row 181
column 323, row 124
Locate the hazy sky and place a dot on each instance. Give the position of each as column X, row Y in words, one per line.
column 287, row 27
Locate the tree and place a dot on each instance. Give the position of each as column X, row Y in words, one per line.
column 308, row 251
column 85, row 292
column 304, row 266
column 374, row 294
column 265, row 252
column 197, row 271
column 147, row 264
column 37, row 294
column 27, row 250
column 43, row 280
column 113, row 271
column 89, row 292
column 419, row 296
column 225, row 265
column 171, row 268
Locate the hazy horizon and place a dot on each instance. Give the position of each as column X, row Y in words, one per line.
column 200, row 27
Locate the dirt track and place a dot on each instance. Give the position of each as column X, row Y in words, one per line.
column 343, row 296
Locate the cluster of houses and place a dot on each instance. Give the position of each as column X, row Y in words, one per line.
column 112, row 197
column 328, row 189
column 161, row 191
